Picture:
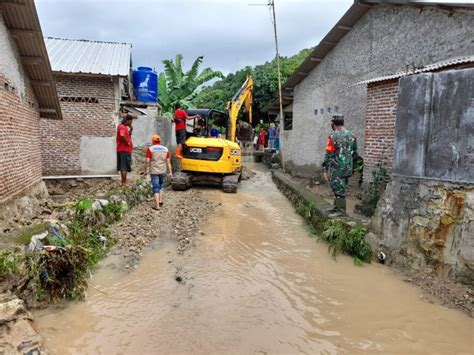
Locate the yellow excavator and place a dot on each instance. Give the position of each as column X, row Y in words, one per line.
column 212, row 160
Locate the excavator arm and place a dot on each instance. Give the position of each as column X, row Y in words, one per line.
column 243, row 97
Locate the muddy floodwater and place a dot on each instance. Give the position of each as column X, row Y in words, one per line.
column 255, row 282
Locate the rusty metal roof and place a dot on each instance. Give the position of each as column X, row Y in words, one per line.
column 89, row 57
column 357, row 10
column 22, row 21
column 428, row 68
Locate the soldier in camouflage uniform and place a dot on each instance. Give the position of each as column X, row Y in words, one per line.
column 338, row 164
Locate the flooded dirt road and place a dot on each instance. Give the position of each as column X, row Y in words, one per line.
column 254, row 283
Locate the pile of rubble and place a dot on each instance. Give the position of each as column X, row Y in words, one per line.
column 178, row 220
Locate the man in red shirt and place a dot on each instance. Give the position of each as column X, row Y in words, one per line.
column 180, row 117
column 124, row 148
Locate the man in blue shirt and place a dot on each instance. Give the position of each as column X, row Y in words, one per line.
column 271, row 136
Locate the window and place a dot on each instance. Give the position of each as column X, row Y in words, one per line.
column 316, row 112
column 336, row 109
column 322, row 111
column 329, row 110
column 287, row 121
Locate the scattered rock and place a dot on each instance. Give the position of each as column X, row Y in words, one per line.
column 178, row 220
column 17, row 329
column 179, row 279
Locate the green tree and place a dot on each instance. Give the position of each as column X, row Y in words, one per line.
column 175, row 85
column 266, row 84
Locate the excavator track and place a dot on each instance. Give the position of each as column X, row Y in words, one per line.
column 181, row 181
column 230, row 183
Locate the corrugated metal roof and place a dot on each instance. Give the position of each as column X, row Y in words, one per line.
column 432, row 67
column 340, row 29
column 89, row 57
column 23, row 24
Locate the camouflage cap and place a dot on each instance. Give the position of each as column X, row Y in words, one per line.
column 338, row 120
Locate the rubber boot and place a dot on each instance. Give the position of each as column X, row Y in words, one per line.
column 179, row 152
column 339, row 207
column 341, row 204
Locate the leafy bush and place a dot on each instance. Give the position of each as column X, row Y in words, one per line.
column 53, row 276
column 343, row 239
column 61, row 273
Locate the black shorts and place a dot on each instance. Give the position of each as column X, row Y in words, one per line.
column 124, row 161
column 181, row 136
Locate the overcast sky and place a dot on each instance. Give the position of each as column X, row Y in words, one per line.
column 230, row 34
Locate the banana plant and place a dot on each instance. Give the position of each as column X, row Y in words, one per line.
column 176, row 85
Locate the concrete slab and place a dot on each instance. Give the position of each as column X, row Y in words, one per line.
column 98, row 156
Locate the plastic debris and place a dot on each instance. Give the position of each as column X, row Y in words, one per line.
column 35, row 243
column 57, row 235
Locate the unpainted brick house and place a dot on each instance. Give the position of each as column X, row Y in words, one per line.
column 27, row 95
column 372, row 39
column 89, row 79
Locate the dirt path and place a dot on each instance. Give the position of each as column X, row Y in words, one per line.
column 178, row 220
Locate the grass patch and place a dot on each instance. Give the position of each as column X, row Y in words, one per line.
column 24, row 235
column 344, row 239
column 311, row 230
column 10, row 263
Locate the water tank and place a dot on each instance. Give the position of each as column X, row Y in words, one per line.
column 145, row 84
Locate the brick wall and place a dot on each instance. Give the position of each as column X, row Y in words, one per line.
column 380, row 125
column 92, row 116
column 20, row 154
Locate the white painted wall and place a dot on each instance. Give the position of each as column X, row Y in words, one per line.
column 98, row 156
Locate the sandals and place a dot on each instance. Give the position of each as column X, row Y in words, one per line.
column 161, row 203
column 155, row 208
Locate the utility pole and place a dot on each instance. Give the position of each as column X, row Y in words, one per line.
column 271, row 3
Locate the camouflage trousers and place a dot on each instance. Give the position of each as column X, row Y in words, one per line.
column 338, row 185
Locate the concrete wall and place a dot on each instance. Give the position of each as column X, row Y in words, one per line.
column 435, row 126
column 425, row 220
column 84, row 141
column 427, row 225
column 385, row 40
column 20, row 154
column 147, row 125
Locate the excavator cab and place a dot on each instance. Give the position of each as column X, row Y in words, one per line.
column 207, row 118
column 213, row 160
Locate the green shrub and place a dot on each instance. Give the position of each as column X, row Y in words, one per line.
column 25, row 234
column 10, row 261
column 57, row 275
column 344, row 239
column 376, row 187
